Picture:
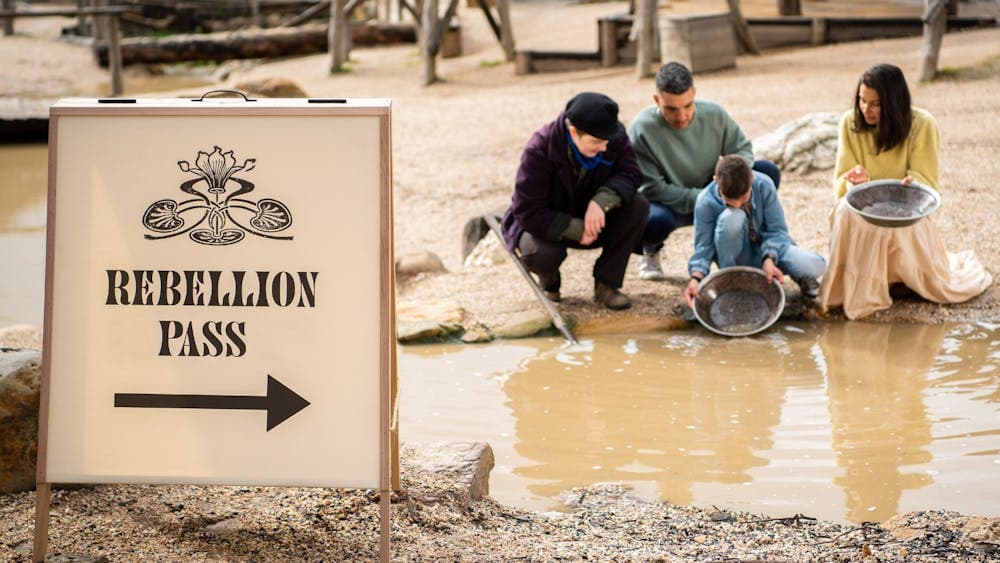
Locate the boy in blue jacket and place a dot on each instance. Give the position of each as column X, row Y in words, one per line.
column 738, row 221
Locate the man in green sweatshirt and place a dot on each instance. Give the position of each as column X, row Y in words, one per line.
column 677, row 141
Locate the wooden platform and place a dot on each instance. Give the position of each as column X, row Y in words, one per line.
column 614, row 46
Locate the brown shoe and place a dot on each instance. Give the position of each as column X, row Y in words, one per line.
column 610, row 297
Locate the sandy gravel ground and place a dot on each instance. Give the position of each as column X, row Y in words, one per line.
column 457, row 143
column 434, row 520
column 456, row 148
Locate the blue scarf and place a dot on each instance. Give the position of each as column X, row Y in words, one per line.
column 587, row 162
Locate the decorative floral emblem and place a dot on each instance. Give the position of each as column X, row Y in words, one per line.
column 226, row 217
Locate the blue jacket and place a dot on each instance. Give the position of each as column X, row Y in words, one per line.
column 768, row 220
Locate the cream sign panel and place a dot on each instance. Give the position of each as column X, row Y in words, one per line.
column 216, row 294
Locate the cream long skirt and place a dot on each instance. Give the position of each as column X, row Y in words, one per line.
column 865, row 259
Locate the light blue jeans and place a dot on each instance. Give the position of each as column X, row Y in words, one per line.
column 734, row 248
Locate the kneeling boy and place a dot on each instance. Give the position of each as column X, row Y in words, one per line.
column 738, row 221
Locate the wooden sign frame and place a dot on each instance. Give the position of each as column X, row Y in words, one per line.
column 161, row 221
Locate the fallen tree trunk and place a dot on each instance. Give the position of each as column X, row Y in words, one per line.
column 255, row 44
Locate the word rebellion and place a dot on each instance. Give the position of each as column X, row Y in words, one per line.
column 211, row 288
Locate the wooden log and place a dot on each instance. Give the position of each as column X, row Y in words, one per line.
column 251, row 44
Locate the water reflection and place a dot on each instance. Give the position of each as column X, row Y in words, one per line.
column 23, row 174
column 675, row 412
column 842, row 421
column 877, row 379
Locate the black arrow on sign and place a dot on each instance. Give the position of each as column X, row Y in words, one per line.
column 280, row 403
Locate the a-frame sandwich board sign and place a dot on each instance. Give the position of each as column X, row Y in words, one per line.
column 219, row 302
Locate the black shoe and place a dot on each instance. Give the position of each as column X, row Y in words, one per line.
column 550, row 284
column 809, row 287
column 610, row 297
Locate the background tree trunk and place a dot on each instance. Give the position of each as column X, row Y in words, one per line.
column 742, row 30
column 506, row 30
column 336, row 30
column 935, row 19
column 428, row 18
column 645, row 19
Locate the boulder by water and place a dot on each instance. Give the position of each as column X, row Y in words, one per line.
column 804, row 144
column 20, row 377
column 409, row 265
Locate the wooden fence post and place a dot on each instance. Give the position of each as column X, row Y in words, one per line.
column 608, row 42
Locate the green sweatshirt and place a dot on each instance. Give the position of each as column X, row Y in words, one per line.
column 678, row 163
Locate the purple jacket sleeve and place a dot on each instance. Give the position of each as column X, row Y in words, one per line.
column 532, row 205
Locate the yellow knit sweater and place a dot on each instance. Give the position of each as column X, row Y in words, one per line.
column 917, row 156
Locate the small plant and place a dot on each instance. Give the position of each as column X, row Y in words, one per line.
column 490, row 63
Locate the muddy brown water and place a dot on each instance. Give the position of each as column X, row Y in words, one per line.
column 845, row 421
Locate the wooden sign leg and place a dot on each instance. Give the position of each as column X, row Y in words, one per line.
column 43, row 497
column 385, row 554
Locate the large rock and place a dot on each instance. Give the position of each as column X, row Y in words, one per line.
column 807, row 143
column 525, row 323
column 428, row 320
column 487, row 252
column 20, row 377
column 410, row 265
column 466, row 464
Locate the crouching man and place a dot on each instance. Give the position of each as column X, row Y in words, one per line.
column 576, row 187
column 738, row 221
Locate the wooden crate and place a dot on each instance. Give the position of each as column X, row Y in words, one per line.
column 702, row 42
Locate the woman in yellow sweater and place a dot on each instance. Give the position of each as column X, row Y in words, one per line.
column 883, row 137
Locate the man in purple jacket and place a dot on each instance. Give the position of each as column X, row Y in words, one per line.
column 576, row 187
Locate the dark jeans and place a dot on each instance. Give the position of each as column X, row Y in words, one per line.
column 663, row 220
column 623, row 229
